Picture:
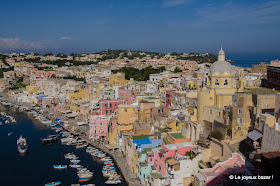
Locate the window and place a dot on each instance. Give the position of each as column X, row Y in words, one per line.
column 95, row 132
column 101, row 124
column 239, row 111
column 217, row 82
column 105, row 105
column 106, row 112
column 125, row 110
column 210, row 111
column 239, row 120
column 226, row 82
column 110, row 105
column 219, row 113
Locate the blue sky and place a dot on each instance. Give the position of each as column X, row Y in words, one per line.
column 250, row 26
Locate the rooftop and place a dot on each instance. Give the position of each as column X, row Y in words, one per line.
column 177, row 135
column 156, row 175
column 180, row 145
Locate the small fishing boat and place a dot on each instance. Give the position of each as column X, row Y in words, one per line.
column 113, row 181
column 22, row 145
column 6, row 122
column 75, row 161
column 50, row 138
column 60, row 167
column 53, row 183
column 11, row 133
column 75, row 166
column 85, row 179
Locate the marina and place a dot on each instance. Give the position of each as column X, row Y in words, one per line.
column 86, row 165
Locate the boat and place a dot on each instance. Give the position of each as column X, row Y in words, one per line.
column 6, row 122
column 113, row 181
column 53, row 183
column 60, row 167
column 75, row 166
column 50, row 138
column 75, row 161
column 11, row 133
column 85, row 179
column 22, row 145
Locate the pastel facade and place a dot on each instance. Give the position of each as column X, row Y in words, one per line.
column 108, row 107
column 98, row 127
column 127, row 95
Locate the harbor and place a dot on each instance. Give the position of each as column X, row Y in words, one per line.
column 51, row 164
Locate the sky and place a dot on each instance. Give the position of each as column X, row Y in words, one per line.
column 86, row 26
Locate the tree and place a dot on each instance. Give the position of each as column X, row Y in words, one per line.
column 177, row 69
column 216, row 134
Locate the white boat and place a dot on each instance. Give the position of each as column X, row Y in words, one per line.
column 75, row 161
column 11, row 133
column 113, row 182
column 60, row 167
column 46, row 121
column 75, row 166
column 22, row 145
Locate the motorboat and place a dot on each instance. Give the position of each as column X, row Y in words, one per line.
column 60, row 167
column 53, row 183
column 22, row 145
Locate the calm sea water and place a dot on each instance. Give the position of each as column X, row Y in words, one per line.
column 36, row 167
column 247, row 60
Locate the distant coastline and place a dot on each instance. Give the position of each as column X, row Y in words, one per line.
column 247, row 60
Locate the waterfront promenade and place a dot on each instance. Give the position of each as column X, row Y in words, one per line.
column 117, row 156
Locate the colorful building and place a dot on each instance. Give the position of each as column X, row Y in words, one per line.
column 98, row 127
column 108, row 106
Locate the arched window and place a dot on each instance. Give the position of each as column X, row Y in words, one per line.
column 217, row 82
column 226, row 82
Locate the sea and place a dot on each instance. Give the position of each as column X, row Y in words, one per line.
column 247, row 60
column 36, row 167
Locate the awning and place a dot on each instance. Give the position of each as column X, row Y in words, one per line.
column 254, row 135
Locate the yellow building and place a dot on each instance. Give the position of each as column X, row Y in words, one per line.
column 118, row 78
column 31, row 89
column 127, row 115
column 221, row 88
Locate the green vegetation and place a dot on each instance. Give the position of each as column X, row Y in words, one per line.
column 177, row 69
column 156, row 175
column 74, row 78
column 5, row 70
column 177, row 135
column 166, row 141
column 229, row 131
column 210, row 58
column 146, row 150
column 140, row 137
column 137, row 74
column 161, row 130
column 217, row 135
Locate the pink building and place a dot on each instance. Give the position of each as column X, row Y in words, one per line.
column 215, row 175
column 45, row 73
column 158, row 156
column 127, row 95
column 108, row 106
column 98, row 127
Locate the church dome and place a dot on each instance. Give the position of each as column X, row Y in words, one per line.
column 221, row 67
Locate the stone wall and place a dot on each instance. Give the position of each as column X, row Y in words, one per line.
column 270, row 140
